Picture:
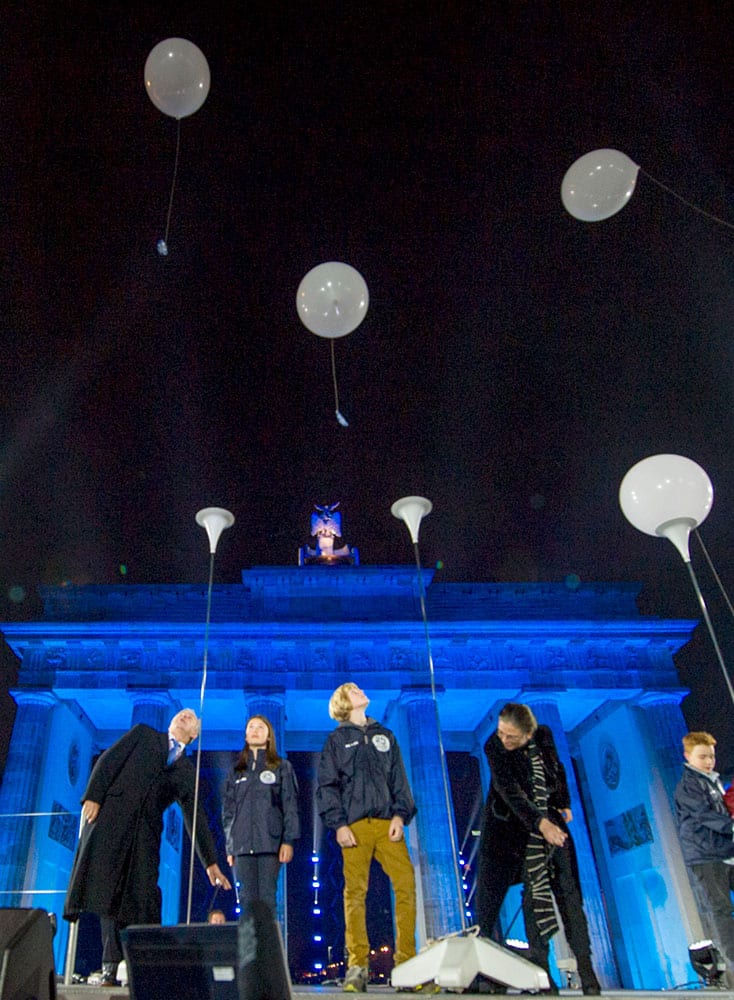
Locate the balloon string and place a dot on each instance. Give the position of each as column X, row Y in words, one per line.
column 333, row 376
column 339, row 415
column 173, row 179
column 716, row 576
column 701, row 211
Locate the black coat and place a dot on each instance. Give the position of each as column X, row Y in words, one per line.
column 510, row 817
column 510, row 813
column 115, row 871
column 260, row 807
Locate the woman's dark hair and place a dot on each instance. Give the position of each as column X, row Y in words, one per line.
column 520, row 716
column 271, row 751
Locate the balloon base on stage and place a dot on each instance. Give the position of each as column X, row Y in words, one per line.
column 454, row 962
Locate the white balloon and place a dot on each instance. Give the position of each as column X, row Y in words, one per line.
column 332, row 299
column 667, row 496
column 177, row 77
column 598, row 184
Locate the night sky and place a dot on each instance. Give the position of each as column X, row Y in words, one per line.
column 514, row 361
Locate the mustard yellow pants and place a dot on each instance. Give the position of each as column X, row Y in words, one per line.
column 393, row 858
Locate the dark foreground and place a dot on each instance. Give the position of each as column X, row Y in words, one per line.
column 304, row 992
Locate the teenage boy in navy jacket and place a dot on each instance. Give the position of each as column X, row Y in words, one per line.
column 364, row 797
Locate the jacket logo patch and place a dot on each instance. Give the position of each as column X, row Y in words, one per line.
column 354, row 743
column 267, row 777
column 381, row 742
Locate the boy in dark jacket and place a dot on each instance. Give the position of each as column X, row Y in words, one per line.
column 706, row 833
column 364, row 797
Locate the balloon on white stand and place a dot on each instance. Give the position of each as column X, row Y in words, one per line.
column 667, row 496
column 177, row 77
column 598, row 184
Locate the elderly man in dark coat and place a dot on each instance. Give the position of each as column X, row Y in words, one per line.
column 115, row 872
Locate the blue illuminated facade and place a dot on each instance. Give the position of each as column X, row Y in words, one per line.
column 595, row 670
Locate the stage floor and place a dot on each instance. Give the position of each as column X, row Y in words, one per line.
column 84, row 992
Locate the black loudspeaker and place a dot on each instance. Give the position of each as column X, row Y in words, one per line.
column 242, row 961
column 27, row 969
column 262, row 971
column 186, row 961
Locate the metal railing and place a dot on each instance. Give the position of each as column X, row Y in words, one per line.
column 15, row 896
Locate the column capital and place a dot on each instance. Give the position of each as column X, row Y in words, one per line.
column 534, row 695
column 152, row 706
column 653, row 699
column 26, row 696
column 150, row 696
column 268, row 702
column 418, row 692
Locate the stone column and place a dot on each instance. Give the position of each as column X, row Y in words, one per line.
column 21, row 782
column 545, row 707
column 440, row 881
column 483, row 731
column 663, row 727
column 152, row 708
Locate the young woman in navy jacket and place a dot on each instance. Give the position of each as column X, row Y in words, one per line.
column 260, row 814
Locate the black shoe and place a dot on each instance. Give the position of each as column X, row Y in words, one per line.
column 589, row 983
column 105, row 979
column 483, row 986
column 109, row 975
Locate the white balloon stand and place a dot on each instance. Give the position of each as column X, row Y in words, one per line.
column 453, row 962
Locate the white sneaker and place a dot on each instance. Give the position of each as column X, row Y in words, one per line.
column 355, row 980
column 103, row 977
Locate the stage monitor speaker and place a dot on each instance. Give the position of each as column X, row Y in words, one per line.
column 243, row 961
column 27, row 969
column 262, row 971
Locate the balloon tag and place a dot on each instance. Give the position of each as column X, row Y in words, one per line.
column 342, row 419
column 162, row 248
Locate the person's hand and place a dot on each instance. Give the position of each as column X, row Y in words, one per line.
column 230, row 860
column 285, row 854
column 567, row 815
column 345, row 837
column 396, row 829
column 217, row 877
column 553, row 834
column 90, row 810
